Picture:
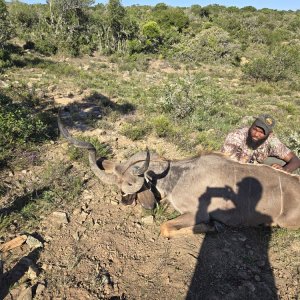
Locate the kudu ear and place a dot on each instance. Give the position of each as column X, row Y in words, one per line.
column 146, row 199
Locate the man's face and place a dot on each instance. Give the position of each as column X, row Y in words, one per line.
column 257, row 134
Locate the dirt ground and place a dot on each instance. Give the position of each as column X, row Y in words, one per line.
column 105, row 250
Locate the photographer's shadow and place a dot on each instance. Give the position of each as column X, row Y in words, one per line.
column 233, row 263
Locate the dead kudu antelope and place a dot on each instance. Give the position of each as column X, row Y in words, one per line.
column 204, row 189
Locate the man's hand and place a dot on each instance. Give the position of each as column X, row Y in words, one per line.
column 276, row 166
column 230, row 194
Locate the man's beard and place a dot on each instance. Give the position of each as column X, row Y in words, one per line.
column 255, row 144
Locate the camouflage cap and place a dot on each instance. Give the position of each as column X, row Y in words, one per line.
column 266, row 122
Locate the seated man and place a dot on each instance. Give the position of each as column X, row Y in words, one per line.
column 257, row 143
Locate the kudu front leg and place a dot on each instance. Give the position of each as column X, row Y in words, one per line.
column 184, row 225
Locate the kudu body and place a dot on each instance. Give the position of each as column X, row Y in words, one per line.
column 203, row 189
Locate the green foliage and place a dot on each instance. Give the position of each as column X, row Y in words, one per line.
column 24, row 18
column 116, row 15
column 151, row 38
column 6, row 31
column 208, row 140
column 171, row 17
column 210, row 45
column 20, row 123
column 5, row 59
column 275, row 66
column 178, row 99
column 294, row 142
column 57, row 187
column 136, row 131
column 151, row 30
column 102, row 150
column 45, row 46
column 160, row 7
column 162, row 126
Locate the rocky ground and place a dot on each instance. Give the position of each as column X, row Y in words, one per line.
column 96, row 248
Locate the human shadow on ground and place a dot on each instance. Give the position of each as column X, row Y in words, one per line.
column 233, row 263
column 94, row 107
column 9, row 278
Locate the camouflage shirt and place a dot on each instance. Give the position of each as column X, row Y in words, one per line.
column 236, row 147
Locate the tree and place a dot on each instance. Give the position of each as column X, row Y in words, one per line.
column 5, row 28
column 116, row 16
column 171, row 17
column 69, row 24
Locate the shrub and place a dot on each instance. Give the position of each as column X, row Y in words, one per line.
column 171, row 17
column 136, row 131
column 178, row 98
column 5, row 59
column 275, row 66
column 210, row 45
column 45, row 46
column 6, row 31
column 20, row 124
column 294, row 142
column 162, row 126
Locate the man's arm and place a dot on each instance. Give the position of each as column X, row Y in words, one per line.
column 292, row 163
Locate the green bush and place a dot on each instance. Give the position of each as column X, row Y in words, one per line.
column 136, row 131
column 278, row 65
column 6, row 30
column 5, row 59
column 20, row 124
column 179, row 98
column 162, row 126
column 45, row 46
column 210, row 45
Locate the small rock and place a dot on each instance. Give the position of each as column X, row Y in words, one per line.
column 60, row 217
column 148, row 220
column 46, row 267
column 76, row 211
column 25, row 294
column 85, row 207
column 24, row 171
column 76, row 236
column 32, row 272
column 39, row 289
column 82, row 217
column 138, row 225
column 114, row 202
column 86, row 194
column 33, row 242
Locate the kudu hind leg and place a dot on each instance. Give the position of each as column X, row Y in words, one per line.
column 184, row 225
